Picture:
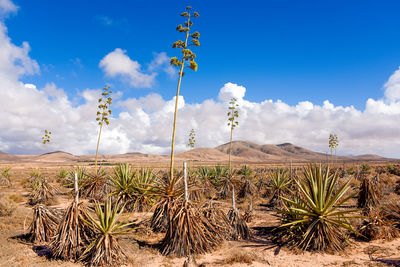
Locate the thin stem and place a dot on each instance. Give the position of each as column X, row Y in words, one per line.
column 76, row 189
column 230, row 150
column 171, row 171
column 233, row 198
column 185, row 180
column 97, row 149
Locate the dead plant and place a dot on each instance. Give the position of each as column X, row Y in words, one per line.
column 189, row 232
column 44, row 224
column 73, row 233
column 377, row 225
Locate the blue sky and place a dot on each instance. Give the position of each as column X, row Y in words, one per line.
column 289, row 50
column 299, row 69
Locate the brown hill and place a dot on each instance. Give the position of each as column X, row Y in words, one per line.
column 56, row 156
column 7, row 157
column 283, row 152
column 204, row 154
column 369, row 157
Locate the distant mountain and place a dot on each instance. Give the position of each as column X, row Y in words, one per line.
column 56, row 153
column 242, row 152
column 204, row 154
column 56, row 156
column 7, row 157
column 282, row 152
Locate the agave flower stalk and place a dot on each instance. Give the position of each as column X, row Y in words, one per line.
column 102, row 116
column 192, row 139
column 187, row 61
column 233, row 115
column 333, row 143
column 46, row 137
column 189, row 230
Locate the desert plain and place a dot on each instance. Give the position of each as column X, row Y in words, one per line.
column 142, row 245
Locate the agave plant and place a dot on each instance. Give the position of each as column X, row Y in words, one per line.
column 42, row 191
column 228, row 182
column 105, row 249
column 238, row 224
column 94, row 186
column 218, row 219
column 189, row 231
column 378, row 225
column 247, row 189
column 5, row 176
column 44, row 224
column 246, row 171
column 123, row 185
column 62, row 174
column 144, row 189
column 204, row 174
column 369, row 194
column 313, row 221
column 280, row 182
column 218, row 175
column 68, row 180
column 392, row 211
column 168, row 190
column 240, row 230
column 73, row 234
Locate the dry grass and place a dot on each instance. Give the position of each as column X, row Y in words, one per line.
column 238, row 257
column 17, row 198
column 7, row 207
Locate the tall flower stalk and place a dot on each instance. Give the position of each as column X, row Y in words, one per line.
column 333, row 143
column 46, row 137
column 102, row 116
column 192, row 139
column 187, row 60
column 233, row 115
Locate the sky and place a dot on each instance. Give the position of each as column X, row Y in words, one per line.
column 300, row 70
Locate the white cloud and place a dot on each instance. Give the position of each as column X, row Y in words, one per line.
column 117, row 63
column 392, row 87
column 145, row 124
column 162, row 61
column 231, row 90
column 7, row 7
column 14, row 60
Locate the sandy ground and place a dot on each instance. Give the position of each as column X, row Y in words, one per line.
column 141, row 246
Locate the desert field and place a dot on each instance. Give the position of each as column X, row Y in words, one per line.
column 143, row 246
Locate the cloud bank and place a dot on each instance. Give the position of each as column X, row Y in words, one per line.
column 145, row 124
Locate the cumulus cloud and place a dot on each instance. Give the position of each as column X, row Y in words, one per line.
column 7, row 7
column 117, row 63
column 392, row 87
column 231, row 90
column 162, row 61
column 145, row 124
